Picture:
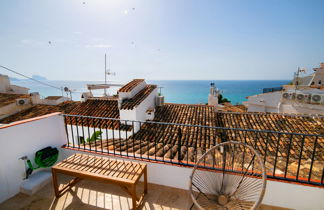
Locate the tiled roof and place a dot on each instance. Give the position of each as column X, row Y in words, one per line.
column 161, row 140
column 138, row 98
column 200, row 139
column 131, row 85
column 228, row 107
column 40, row 110
column 53, row 97
column 7, row 98
column 96, row 108
column 205, row 115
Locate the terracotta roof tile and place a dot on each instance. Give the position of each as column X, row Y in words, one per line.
column 40, row 110
column 53, row 97
column 138, row 98
column 131, row 85
column 97, row 108
column 207, row 137
column 7, row 98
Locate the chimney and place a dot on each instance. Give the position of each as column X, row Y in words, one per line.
column 321, row 65
column 35, row 98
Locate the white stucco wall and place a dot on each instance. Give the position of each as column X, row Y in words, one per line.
column 6, row 87
column 4, row 83
column 25, row 139
column 13, row 108
column 54, row 102
column 133, row 92
column 18, row 90
column 281, row 194
column 149, row 102
column 266, row 102
column 139, row 112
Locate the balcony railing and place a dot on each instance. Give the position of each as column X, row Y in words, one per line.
column 295, row 157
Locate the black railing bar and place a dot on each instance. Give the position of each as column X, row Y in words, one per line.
column 226, row 170
column 313, row 157
column 200, row 126
column 288, row 155
column 71, row 127
column 66, row 132
column 77, row 132
column 126, row 139
column 300, row 156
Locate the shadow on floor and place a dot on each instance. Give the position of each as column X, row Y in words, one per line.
column 94, row 195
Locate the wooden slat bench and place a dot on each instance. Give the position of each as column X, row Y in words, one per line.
column 126, row 174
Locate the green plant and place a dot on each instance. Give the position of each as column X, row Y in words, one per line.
column 221, row 99
column 95, row 136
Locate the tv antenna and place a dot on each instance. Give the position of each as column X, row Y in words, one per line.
column 67, row 91
column 107, row 72
column 299, row 70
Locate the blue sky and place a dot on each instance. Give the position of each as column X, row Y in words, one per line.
column 165, row 39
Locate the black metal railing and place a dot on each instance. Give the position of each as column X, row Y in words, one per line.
column 296, row 157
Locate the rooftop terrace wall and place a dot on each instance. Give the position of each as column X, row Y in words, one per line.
column 25, row 138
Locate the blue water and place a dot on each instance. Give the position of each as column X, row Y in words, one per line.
column 175, row 91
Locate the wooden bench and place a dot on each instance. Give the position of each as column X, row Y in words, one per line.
column 126, row 174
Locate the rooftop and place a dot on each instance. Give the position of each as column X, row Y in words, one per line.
column 8, row 98
column 53, row 97
column 259, row 129
column 138, row 98
column 131, row 85
column 39, row 110
column 107, row 108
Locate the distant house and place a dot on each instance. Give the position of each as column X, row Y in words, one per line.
column 304, row 96
column 15, row 99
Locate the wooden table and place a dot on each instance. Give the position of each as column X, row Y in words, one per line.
column 126, row 174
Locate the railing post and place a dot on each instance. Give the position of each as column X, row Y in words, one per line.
column 179, row 144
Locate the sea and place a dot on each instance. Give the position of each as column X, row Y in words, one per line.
column 175, row 91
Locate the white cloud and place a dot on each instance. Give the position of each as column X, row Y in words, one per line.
column 98, row 46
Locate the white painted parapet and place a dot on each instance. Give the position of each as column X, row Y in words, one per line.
column 281, row 194
column 24, row 138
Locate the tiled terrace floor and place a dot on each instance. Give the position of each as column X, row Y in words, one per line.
column 94, row 195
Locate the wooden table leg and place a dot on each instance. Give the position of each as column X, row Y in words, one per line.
column 134, row 197
column 55, row 184
column 145, row 180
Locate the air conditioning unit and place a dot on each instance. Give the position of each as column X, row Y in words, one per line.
column 317, row 98
column 302, row 97
column 22, row 101
column 288, row 95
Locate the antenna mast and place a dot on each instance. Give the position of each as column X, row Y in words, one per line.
column 107, row 72
column 105, row 91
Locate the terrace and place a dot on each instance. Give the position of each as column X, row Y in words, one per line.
column 170, row 149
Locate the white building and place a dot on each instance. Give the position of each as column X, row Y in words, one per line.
column 305, row 96
column 136, row 101
column 6, row 87
column 213, row 95
column 14, row 99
